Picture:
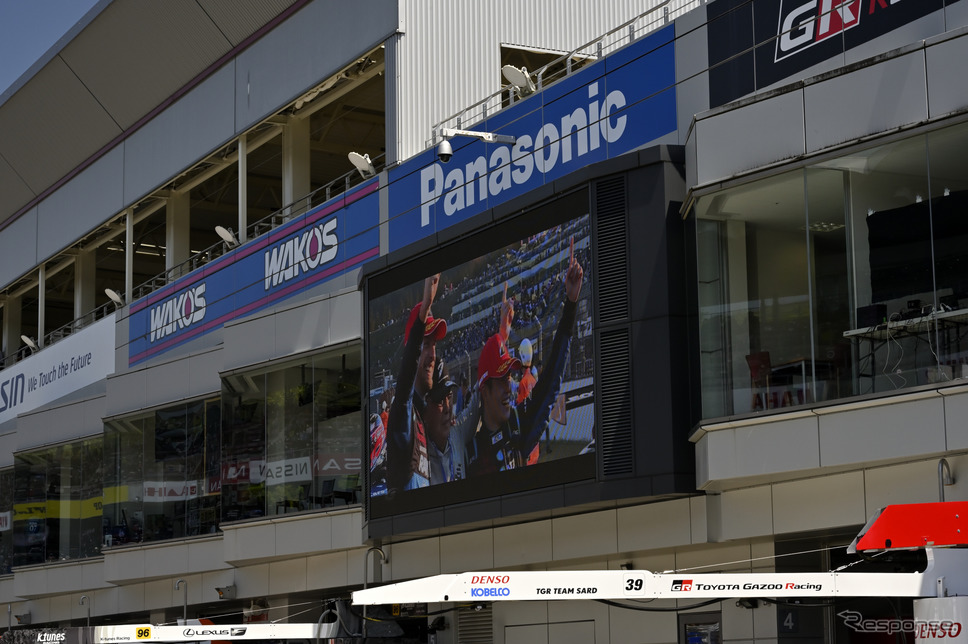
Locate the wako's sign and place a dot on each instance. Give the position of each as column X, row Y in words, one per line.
column 754, row 44
column 611, row 107
column 322, row 244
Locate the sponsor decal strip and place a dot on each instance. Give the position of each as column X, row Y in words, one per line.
column 256, row 246
column 254, row 306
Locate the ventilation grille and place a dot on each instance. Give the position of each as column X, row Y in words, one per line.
column 612, row 250
column 475, row 626
column 617, row 449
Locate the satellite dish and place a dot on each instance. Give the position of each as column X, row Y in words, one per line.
column 114, row 296
column 520, row 78
column 227, row 236
column 362, row 163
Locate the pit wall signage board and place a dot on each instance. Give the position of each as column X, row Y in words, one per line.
column 608, row 108
column 78, row 360
column 754, row 44
column 325, row 243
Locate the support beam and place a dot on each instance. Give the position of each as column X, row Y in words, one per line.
column 177, row 229
column 243, row 188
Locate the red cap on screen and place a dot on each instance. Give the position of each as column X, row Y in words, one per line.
column 433, row 327
column 495, row 361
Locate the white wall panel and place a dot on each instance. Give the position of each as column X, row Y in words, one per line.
column 194, row 126
column 315, row 43
column 955, row 16
column 412, row 559
column 81, row 205
column 912, row 32
column 519, row 544
column 467, row 551
column 869, row 100
column 654, row 525
column 905, row 483
column 743, row 514
column 757, row 134
column 584, row 535
column 18, row 247
column 882, row 433
column 815, row 504
column 448, row 57
column 945, row 62
column 956, row 407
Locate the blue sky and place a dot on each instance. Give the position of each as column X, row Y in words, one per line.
column 28, row 28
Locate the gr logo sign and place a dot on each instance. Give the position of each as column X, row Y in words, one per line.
column 804, row 24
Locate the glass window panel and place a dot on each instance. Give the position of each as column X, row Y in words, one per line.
column 949, row 207
column 123, row 520
column 338, row 428
column 754, row 295
column 829, row 372
column 243, row 446
column 289, row 436
column 6, row 520
column 890, row 233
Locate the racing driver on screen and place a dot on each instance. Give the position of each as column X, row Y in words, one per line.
column 505, row 435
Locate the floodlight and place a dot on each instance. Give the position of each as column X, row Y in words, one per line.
column 226, row 592
column 227, row 236
column 114, row 296
column 520, row 79
column 363, row 164
column 30, row 342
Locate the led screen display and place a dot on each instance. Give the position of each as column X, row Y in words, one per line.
column 489, row 389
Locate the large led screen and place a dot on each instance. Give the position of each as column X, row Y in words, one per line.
column 481, row 376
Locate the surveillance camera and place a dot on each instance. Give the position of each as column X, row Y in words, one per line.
column 444, row 151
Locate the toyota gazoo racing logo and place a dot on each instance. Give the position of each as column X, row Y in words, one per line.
column 804, row 24
column 496, row 586
column 681, row 585
column 233, row 631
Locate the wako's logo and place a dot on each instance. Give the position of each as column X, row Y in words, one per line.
column 681, row 585
column 301, row 254
column 178, row 312
column 803, row 24
column 580, row 131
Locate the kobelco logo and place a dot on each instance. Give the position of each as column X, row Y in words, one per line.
column 804, row 24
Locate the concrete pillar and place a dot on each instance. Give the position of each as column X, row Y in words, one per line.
column 41, row 304
column 84, row 283
column 243, row 189
column 177, row 229
column 295, row 163
column 11, row 324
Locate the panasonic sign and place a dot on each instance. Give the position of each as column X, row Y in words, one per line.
column 579, row 132
column 617, row 104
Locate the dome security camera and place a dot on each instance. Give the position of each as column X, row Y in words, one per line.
column 444, row 151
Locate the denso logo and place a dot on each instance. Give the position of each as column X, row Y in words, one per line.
column 180, row 311
column 301, row 254
column 804, row 24
column 490, row 579
column 576, row 134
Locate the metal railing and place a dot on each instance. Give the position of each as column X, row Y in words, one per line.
column 563, row 66
column 287, row 213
